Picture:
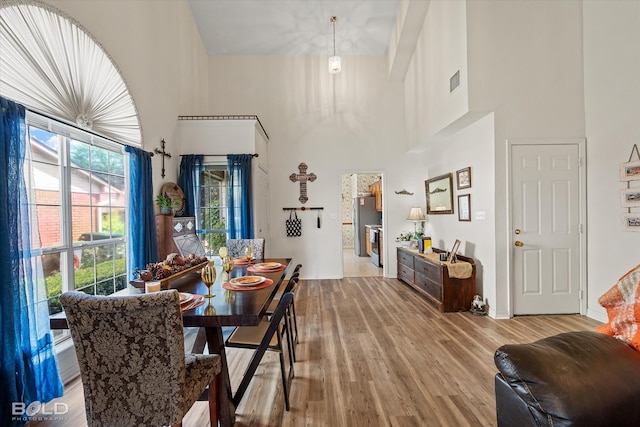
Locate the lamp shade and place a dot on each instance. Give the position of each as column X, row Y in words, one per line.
column 415, row 214
column 335, row 64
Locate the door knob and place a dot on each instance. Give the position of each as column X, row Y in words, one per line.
column 519, row 243
column 517, row 231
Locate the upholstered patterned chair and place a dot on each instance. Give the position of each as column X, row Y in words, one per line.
column 236, row 247
column 132, row 360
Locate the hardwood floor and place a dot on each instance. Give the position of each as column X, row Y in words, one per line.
column 372, row 352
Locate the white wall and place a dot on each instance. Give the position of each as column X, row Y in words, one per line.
column 351, row 122
column 471, row 147
column 441, row 51
column 520, row 61
column 612, row 105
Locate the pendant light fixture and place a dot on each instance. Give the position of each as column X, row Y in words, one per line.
column 335, row 64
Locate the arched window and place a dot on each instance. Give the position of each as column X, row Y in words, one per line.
column 51, row 65
column 78, row 106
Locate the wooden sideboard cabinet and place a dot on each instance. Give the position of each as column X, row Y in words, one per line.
column 431, row 279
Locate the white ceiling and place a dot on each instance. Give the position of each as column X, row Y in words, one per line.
column 295, row 27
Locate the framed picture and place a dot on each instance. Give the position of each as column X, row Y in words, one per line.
column 439, row 194
column 463, row 178
column 464, row 207
column 454, row 251
column 630, row 171
column 630, row 197
column 631, row 222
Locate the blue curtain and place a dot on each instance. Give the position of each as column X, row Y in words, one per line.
column 29, row 371
column 240, row 204
column 142, row 239
column 190, row 169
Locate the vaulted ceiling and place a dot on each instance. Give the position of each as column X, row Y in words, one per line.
column 295, row 27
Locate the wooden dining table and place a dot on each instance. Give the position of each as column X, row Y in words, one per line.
column 226, row 308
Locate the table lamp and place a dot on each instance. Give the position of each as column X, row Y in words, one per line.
column 415, row 215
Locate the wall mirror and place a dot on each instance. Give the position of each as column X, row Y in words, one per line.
column 439, row 194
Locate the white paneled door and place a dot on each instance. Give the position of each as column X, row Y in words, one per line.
column 546, row 230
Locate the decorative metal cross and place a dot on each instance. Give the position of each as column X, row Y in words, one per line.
column 164, row 154
column 302, row 177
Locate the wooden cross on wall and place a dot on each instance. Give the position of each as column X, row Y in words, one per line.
column 164, row 154
column 302, row 177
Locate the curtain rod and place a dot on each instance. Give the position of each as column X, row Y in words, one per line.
column 217, row 155
column 74, row 125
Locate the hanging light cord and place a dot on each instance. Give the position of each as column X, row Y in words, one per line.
column 333, row 21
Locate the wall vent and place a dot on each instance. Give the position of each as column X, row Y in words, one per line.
column 454, row 81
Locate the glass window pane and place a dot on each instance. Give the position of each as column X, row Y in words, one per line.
column 116, row 163
column 44, row 145
column 84, row 273
column 120, row 267
column 105, row 287
column 121, row 283
column 81, row 224
column 112, row 222
column 79, row 153
column 80, row 187
column 52, row 280
column 49, row 226
column 99, row 159
column 212, row 242
column 117, row 190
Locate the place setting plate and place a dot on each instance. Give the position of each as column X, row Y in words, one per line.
column 247, row 280
column 185, row 297
column 268, row 265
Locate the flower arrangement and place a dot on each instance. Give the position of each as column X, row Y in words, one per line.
column 409, row 236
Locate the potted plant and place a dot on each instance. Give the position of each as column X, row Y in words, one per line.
column 165, row 204
column 409, row 238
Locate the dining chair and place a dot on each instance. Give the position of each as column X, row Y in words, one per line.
column 291, row 312
column 268, row 335
column 236, row 247
column 132, row 360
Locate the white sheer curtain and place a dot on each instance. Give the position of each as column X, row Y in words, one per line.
column 51, row 65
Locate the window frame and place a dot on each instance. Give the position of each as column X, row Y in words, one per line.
column 67, row 247
column 199, row 209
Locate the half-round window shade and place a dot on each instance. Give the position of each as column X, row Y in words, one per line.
column 51, row 65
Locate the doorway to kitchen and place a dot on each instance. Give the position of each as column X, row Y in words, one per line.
column 362, row 228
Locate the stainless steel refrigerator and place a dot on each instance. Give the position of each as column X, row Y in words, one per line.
column 364, row 213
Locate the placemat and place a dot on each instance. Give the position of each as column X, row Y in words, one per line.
column 255, row 269
column 232, row 287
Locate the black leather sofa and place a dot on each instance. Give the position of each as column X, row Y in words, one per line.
column 571, row 379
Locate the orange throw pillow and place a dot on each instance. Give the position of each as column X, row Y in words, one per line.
column 622, row 303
